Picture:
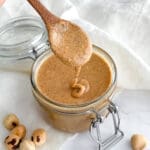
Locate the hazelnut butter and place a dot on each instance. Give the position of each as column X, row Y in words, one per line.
column 70, row 43
column 52, row 81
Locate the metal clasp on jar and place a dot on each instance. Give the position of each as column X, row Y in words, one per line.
column 95, row 128
column 38, row 50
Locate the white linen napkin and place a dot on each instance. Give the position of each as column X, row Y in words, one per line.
column 121, row 27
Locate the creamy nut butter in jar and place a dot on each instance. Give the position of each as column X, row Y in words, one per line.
column 24, row 47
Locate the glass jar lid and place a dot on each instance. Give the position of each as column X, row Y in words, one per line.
column 23, row 37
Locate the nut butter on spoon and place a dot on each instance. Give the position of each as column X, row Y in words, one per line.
column 68, row 41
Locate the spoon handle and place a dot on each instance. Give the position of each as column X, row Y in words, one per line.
column 47, row 16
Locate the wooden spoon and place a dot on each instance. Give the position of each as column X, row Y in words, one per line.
column 68, row 41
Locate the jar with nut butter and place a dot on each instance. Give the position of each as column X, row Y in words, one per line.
column 24, row 47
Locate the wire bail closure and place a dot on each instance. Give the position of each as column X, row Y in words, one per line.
column 96, row 124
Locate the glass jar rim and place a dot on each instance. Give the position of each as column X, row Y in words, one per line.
column 105, row 95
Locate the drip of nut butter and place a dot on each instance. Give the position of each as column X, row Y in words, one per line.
column 72, row 46
column 79, row 87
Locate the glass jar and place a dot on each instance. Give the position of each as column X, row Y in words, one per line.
column 22, row 40
column 24, row 46
column 74, row 118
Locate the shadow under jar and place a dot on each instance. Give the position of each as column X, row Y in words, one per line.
column 24, row 39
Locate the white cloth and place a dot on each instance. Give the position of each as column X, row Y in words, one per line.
column 121, row 27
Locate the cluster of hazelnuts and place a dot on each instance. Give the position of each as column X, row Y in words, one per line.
column 38, row 138
column 17, row 133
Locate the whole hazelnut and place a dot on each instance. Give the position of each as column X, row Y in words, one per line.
column 138, row 142
column 39, row 137
column 19, row 131
column 12, row 142
column 11, row 121
column 27, row 145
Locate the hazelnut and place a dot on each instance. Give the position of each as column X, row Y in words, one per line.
column 11, row 121
column 19, row 131
column 39, row 137
column 12, row 142
column 138, row 142
column 27, row 145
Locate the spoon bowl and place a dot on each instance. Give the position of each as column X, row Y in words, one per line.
column 68, row 41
